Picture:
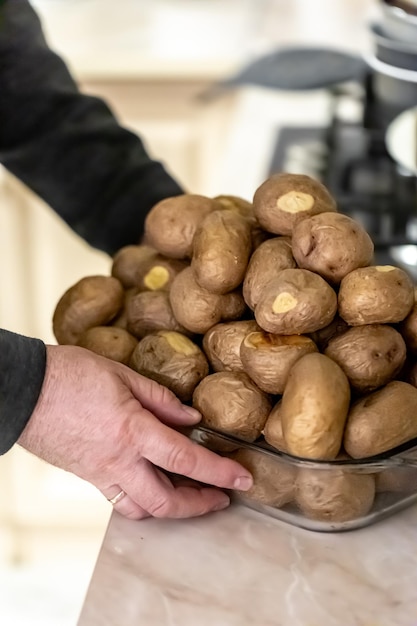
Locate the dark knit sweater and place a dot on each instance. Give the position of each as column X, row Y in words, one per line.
column 70, row 150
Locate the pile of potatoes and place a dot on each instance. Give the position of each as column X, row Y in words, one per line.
column 270, row 318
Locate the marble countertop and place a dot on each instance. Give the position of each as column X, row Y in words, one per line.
column 241, row 568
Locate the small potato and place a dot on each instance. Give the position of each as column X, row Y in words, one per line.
column 267, row 359
column 120, row 321
column 221, row 250
column 296, row 302
column 150, row 311
column 336, row 495
column 273, row 480
column 408, row 327
column 197, row 309
column 314, row 408
column 266, row 262
column 222, row 344
column 128, row 262
column 396, row 480
column 285, row 199
column 245, row 209
column 113, row 343
column 369, row 355
column 171, row 224
column 381, row 294
column 171, row 359
column 92, row 301
column 232, row 404
column 323, row 336
column 332, row 245
column 273, row 429
column 382, row 420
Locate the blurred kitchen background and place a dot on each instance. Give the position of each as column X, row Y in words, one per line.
column 325, row 113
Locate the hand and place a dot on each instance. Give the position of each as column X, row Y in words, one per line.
column 116, row 429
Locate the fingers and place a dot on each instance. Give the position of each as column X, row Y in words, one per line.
column 177, row 454
column 161, row 401
column 160, row 498
column 124, row 505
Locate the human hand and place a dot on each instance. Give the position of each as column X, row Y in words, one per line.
column 116, row 429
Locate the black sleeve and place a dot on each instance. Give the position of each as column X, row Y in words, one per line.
column 22, row 370
column 68, row 147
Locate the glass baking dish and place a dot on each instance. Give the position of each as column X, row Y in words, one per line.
column 324, row 496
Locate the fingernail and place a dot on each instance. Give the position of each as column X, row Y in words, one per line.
column 243, row 483
column 193, row 413
column 223, row 504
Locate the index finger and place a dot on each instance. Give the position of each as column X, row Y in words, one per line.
column 174, row 452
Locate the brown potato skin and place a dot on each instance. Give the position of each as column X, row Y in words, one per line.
column 92, row 301
column 150, row 311
column 369, row 355
column 273, row 480
column 269, row 258
column 108, row 341
column 128, row 262
column 171, row 224
column 381, row 420
column 334, row 495
column 314, row 303
column 267, row 359
column 323, row 336
column 285, row 199
column 314, row 407
column 221, row 344
column 232, row 404
column 272, row 431
column 221, row 249
column 196, row 309
column 408, row 327
column 375, row 295
column 332, row 245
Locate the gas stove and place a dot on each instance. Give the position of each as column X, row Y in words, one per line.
column 350, row 157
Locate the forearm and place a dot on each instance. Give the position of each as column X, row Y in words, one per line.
column 68, row 147
column 22, row 370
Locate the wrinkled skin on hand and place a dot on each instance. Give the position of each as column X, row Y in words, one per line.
column 116, row 429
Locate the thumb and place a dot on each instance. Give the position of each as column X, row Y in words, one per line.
column 160, row 401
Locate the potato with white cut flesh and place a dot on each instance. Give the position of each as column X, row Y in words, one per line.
column 221, row 249
column 268, row 358
column 128, row 262
column 232, row 404
column 266, row 262
column 108, row 341
column 315, row 405
column 285, row 199
column 221, row 344
column 273, row 480
column 332, row 245
column 197, row 309
column 150, row 311
column 381, row 420
column 173, row 360
column 370, row 355
column 296, row 302
column 171, row 224
column 380, row 294
column 336, row 495
column 272, row 431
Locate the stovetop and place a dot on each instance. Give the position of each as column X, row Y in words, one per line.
column 350, row 157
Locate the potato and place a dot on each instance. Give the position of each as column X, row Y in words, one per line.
column 171, row 224
column 396, row 480
column 369, row 355
column 232, row 404
column 381, row 294
column 269, row 258
column 272, row 431
column 221, row 344
column 296, row 302
column 113, row 343
column 221, row 250
column 332, row 245
column 336, row 495
column 273, row 480
column 268, row 358
column 285, row 199
column 128, row 262
column 120, row 321
column 314, row 408
column 408, row 327
column 150, row 311
column 323, row 336
column 245, row 209
column 173, row 360
column 197, row 309
column 92, row 301
column 382, row 420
